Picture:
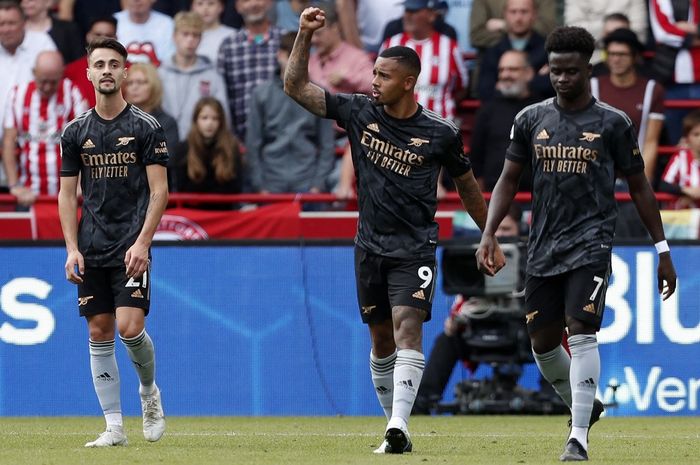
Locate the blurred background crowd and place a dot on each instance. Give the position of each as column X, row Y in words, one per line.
column 211, row 72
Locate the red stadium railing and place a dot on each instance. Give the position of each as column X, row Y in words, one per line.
column 450, row 200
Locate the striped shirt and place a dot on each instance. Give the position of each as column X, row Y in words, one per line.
column 244, row 62
column 663, row 16
column 442, row 70
column 39, row 122
column 683, row 169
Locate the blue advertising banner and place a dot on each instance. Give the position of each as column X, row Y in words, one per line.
column 275, row 330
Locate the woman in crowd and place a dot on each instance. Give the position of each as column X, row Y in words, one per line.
column 209, row 160
column 144, row 89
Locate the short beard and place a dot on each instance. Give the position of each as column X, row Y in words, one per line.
column 108, row 91
column 514, row 90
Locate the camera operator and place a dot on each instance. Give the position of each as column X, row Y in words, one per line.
column 450, row 346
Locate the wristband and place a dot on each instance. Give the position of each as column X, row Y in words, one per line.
column 661, row 247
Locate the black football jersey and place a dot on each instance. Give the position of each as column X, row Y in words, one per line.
column 397, row 163
column 111, row 157
column 575, row 157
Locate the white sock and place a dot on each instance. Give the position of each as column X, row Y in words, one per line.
column 555, row 366
column 382, row 370
column 585, row 374
column 408, row 372
column 142, row 355
column 105, row 378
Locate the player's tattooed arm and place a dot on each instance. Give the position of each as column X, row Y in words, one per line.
column 296, row 76
column 472, row 198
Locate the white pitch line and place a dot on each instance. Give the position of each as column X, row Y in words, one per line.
column 332, row 435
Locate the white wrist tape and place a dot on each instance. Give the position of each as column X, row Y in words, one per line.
column 662, row 247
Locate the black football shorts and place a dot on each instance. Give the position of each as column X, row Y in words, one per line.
column 579, row 294
column 385, row 282
column 105, row 288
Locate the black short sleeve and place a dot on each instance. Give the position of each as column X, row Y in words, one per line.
column 453, row 157
column 70, row 153
column 340, row 106
column 155, row 148
column 624, row 149
column 518, row 150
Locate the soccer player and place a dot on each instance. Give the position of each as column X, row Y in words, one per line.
column 576, row 145
column 397, row 148
column 121, row 156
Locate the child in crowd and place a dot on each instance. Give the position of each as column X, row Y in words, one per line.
column 214, row 32
column 682, row 174
column 209, row 160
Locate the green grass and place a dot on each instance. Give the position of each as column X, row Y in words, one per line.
column 463, row 440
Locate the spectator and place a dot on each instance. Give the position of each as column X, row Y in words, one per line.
column 491, row 135
column 487, row 25
column 187, row 77
column 214, row 32
column 676, row 62
column 642, row 99
column 105, row 26
column 396, row 26
column 682, row 174
column 363, row 21
column 18, row 49
column 145, row 33
column 35, row 117
column 458, row 12
column 287, row 13
column 444, row 82
column 520, row 17
column 84, row 12
column 611, row 22
column 144, row 89
column 288, row 148
column 336, row 65
column 65, row 34
column 209, row 160
column 449, row 346
column 587, row 14
column 247, row 58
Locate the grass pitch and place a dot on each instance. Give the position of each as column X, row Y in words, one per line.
column 320, row 441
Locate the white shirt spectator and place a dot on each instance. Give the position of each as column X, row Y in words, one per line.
column 211, row 41
column 17, row 68
column 157, row 30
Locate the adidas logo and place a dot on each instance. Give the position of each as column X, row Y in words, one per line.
column 137, row 294
column 382, row 390
column 419, row 294
column 373, row 127
column 587, row 383
column 88, row 144
column 590, row 308
column 104, row 377
column 542, row 135
column 406, row 384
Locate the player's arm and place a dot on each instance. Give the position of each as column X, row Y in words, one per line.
column 501, row 198
column 645, row 202
column 472, row 198
column 296, row 76
column 651, row 146
column 136, row 258
column 68, row 213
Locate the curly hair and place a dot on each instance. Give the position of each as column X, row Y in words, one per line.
column 570, row 39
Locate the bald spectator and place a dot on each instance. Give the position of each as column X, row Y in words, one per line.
column 37, row 113
column 214, row 32
column 75, row 71
column 491, row 135
column 520, row 16
column 65, row 34
column 336, row 65
column 146, row 33
column 248, row 58
column 18, row 49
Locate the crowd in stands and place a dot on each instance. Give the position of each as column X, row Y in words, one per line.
column 210, row 72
